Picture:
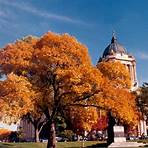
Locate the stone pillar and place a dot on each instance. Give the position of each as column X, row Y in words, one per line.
column 132, row 74
column 135, row 74
column 142, row 128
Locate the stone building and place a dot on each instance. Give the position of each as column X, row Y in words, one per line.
column 116, row 52
column 27, row 130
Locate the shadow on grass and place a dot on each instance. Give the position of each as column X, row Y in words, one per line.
column 102, row 145
column 6, row 145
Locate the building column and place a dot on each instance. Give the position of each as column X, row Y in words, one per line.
column 142, row 128
column 132, row 73
column 135, row 74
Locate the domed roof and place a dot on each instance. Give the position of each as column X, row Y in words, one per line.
column 114, row 47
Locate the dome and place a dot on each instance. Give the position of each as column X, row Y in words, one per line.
column 113, row 48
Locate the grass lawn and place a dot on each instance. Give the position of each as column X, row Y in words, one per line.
column 88, row 144
column 43, row 145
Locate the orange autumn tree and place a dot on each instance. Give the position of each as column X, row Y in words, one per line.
column 2, row 104
column 116, row 73
column 122, row 104
column 101, row 123
column 21, row 107
column 4, row 133
column 82, row 118
column 15, row 94
column 117, row 87
column 16, row 103
column 119, row 100
column 86, row 119
column 57, row 74
column 57, row 69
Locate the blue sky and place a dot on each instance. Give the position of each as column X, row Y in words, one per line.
column 90, row 21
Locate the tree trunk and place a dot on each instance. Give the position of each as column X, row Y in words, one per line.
column 52, row 136
column 36, row 130
column 78, row 137
column 110, row 129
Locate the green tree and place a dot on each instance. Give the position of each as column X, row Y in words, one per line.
column 142, row 98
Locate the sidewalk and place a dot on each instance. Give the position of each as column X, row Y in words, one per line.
column 126, row 144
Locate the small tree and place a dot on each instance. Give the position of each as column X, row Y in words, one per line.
column 82, row 118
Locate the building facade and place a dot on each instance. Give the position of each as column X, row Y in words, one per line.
column 27, row 130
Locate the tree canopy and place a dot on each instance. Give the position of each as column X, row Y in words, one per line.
column 55, row 71
column 47, row 75
column 116, row 94
column 116, row 73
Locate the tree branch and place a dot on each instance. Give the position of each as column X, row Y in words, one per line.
column 86, row 105
column 44, row 122
column 84, row 97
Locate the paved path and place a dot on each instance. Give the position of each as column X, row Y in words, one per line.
column 125, row 144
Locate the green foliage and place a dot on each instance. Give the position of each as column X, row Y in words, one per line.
column 60, row 124
column 68, row 134
column 142, row 98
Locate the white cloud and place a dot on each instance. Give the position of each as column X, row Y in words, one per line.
column 2, row 14
column 142, row 55
column 30, row 9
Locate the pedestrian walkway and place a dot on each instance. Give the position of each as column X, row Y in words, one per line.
column 126, row 144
